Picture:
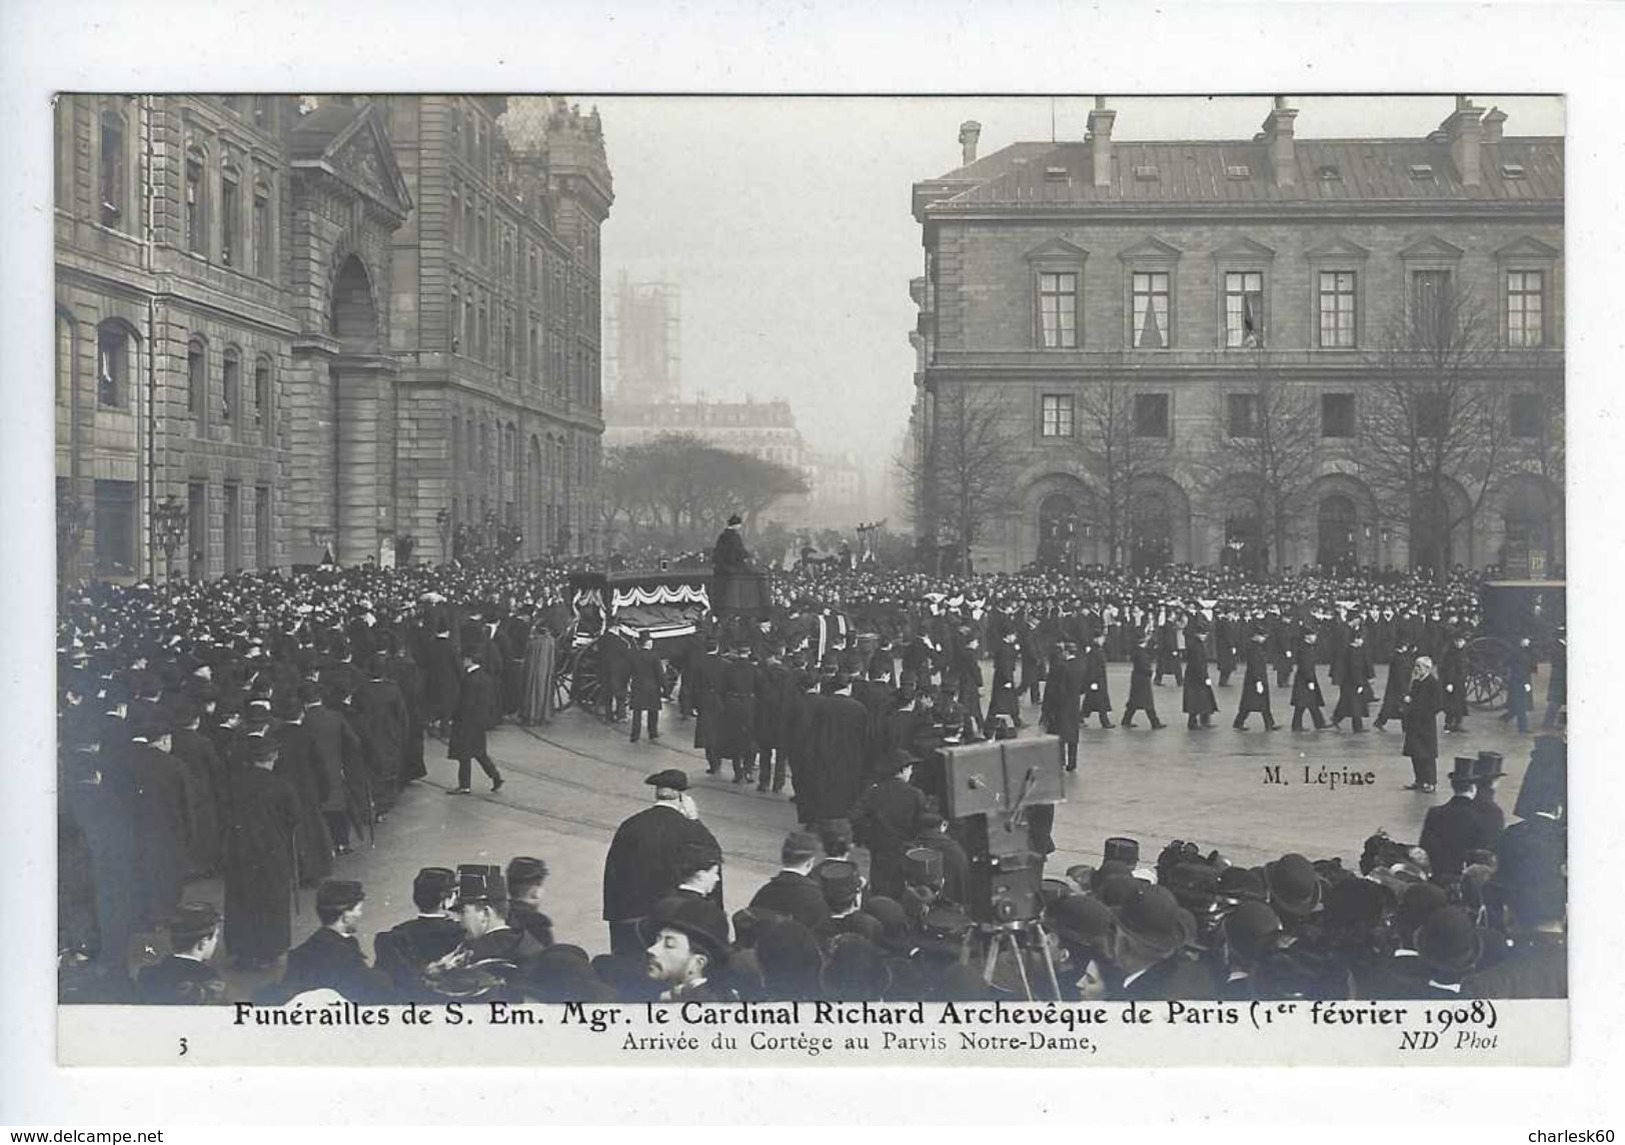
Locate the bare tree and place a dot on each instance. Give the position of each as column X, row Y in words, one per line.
column 1436, row 417
column 1268, row 432
column 1115, row 456
column 964, row 476
column 683, row 487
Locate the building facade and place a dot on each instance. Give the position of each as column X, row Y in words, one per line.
column 294, row 327
column 1183, row 270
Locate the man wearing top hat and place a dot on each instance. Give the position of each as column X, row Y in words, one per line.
column 728, row 556
column 642, row 865
column 476, row 714
column 1557, row 682
column 1255, row 684
column 1486, row 771
column 185, row 978
column 736, row 725
column 1454, row 829
column 886, row 820
column 1140, row 696
column 1061, row 713
column 331, row 958
column 404, row 950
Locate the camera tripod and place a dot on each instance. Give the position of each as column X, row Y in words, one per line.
column 1017, row 939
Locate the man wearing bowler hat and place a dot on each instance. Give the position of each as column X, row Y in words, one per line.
column 185, row 978
column 642, row 865
column 1454, row 829
column 404, row 950
column 331, row 958
column 686, row 944
column 1149, row 949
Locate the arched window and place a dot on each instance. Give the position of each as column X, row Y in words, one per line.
column 231, row 385
column 485, row 331
column 507, row 344
column 197, row 378
column 456, row 219
column 534, row 359
column 196, row 202
column 1152, row 530
column 456, row 439
column 469, row 341
column 113, row 181
column 231, row 204
column 262, row 398
column 472, row 459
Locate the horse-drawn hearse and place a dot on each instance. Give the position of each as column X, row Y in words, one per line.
column 667, row 604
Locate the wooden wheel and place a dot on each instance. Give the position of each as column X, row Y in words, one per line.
column 563, row 682
column 1487, row 660
column 586, row 676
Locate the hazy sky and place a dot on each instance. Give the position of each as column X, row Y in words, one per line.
column 786, row 222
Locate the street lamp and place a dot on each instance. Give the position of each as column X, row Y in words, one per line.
column 169, row 525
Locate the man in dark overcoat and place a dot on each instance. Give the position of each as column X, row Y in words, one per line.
column 1306, row 695
column 1354, row 683
column 1453, row 679
column 1419, row 715
column 1520, row 684
column 736, row 727
column 792, row 891
column 1097, row 700
column 644, row 689
column 1063, row 700
column 1398, row 683
column 442, row 675
column 708, row 704
column 840, row 746
column 389, row 726
column 1140, row 696
column 886, row 820
column 1199, row 703
column 476, row 714
column 774, row 694
column 331, row 958
column 1255, row 683
column 260, row 859
column 642, row 865
column 1452, row 830
column 1557, row 682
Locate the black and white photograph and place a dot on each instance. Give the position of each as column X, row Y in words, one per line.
column 583, row 575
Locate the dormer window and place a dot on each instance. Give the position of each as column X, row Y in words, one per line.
column 1512, row 170
column 1328, row 173
column 1422, row 171
column 1238, row 171
column 1145, row 172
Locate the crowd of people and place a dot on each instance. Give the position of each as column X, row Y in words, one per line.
column 257, row 727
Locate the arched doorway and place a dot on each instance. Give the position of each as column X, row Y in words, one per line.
column 1059, row 532
column 1153, row 531
column 1526, row 520
column 1336, row 522
column 1244, row 550
column 359, row 486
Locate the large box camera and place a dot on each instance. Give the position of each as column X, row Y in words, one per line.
column 997, row 777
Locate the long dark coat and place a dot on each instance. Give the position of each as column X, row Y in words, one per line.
column 205, row 795
column 389, row 727
column 641, row 866
column 1096, row 694
column 406, row 674
column 1399, row 679
column 1140, row 696
column 1450, row 831
column 105, row 815
column 770, row 704
column 885, row 819
column 476, row 714
column 1354, row 683
column 643, row 694
column 442, row 680
column 261, row 842
column 1225, row 635
column 1419, row 712
column 1255, row 684
column 1520, row 686
column 1557, row 684
column 839, row 735
column 1198, row 699
column 800, row 714
column 708, row 701
column 296, row 763
column 162, row 833
column 1453, row 680
column 1063, row 698
column 1003, row 700
column 332, row 742
column 736, row 723
column 1168, row 648
column 1305, row 684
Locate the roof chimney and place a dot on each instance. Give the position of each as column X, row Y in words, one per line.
column 969, row 132
column 1492, row 125
column 1100, row 141
column 1278, row 142
column 1465, row 131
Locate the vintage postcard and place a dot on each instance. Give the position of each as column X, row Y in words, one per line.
column 595, row 579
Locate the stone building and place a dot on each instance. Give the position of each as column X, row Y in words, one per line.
column 1184, row 268
column 309, row 326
